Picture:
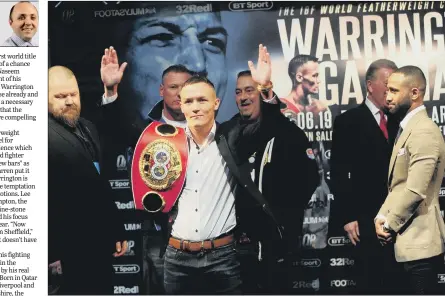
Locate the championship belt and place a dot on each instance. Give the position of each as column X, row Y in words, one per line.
column 159, row 167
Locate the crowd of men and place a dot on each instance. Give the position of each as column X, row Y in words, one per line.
column 236, row 178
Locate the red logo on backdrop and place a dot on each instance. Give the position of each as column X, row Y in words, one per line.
column 159, row 167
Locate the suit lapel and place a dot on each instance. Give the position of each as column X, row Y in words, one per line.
column 94, row 137
column 371, row 123
column 243, row 177
column 227, row 155
column 401, row 141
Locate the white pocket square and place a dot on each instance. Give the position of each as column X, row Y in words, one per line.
column 401, row 152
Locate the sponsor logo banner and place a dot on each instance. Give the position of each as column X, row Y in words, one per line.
column 132, row 226
column 343, row 283
column 341, row 262
column 120, row 184
column 314, row 262
column 339, row 241
column 126, row 290
column 126, row 268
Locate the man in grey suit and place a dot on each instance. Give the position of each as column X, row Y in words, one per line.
column 410, row 216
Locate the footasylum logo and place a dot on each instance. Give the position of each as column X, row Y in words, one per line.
column 343, row 283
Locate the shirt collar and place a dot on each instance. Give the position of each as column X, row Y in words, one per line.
column 20, row 42
column 209, row 138
column 410, row 115
column 371, row 106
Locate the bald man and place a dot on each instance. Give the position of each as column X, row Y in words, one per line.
column 410, row 216
column 24, row 21
column 84, row 228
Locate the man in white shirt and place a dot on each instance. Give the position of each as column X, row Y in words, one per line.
column 201, row 256
column 360, row 153
column 410, row 216
column 167, row 110
column 219, row 226
column 24, row 21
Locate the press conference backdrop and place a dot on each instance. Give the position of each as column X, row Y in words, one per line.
column 345, row 37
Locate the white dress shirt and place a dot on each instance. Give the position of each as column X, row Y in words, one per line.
column 206, row 206
column 374, row 110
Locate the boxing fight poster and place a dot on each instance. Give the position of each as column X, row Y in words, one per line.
column 217, row 39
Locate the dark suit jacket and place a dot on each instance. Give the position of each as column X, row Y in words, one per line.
column 83, row 224
column 359, row 167
column 288, row 178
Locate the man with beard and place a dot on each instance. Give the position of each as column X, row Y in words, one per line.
column 410, row 216
column 83, row 224
column 286, row 158
column 361, row 147
column 24, row 21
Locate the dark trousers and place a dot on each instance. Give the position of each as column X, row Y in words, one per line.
column 153, row 271
column 377, row 271
column 210, row 272
column 422, row 275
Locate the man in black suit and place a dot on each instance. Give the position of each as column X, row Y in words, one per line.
column 84, row 225
column 361, row 148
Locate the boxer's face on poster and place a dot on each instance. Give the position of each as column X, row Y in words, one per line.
column 197, row 41
column 199, row 104
column 247, row 97
column 309, row 77
column 24, row 20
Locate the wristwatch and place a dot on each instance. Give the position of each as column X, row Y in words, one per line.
column 386, row 229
